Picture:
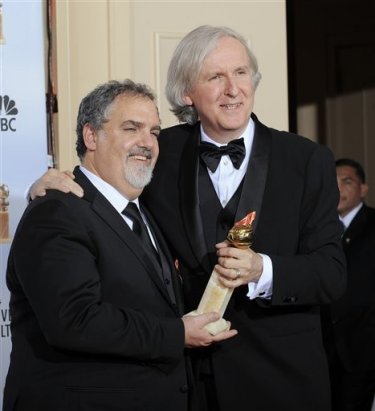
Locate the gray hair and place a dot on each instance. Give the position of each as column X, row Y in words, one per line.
column 95, row 107
column 186, row 64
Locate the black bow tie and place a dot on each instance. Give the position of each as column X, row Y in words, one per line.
column 211, row 154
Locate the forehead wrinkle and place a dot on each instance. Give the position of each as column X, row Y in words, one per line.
column 140, row 124
column 133, row 122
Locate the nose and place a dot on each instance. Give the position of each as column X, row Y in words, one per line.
column 231, row 87
column 148, row 139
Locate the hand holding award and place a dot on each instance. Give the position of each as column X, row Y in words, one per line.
column 216, row 296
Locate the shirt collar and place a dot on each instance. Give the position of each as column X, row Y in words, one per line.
column 247, row 135
column 118, row 201
column 350, row 216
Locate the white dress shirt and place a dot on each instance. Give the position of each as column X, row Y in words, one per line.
column 226, row 179
column 118, row 201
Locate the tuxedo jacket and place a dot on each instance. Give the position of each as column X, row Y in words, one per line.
column 277, row 361
column 353, row 315
column 93, row 326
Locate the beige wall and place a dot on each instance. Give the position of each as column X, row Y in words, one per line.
column 86, row 39
column 102, row 40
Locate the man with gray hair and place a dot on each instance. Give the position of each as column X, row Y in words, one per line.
column 212, row 170
column 95, row 300
column 225, row 164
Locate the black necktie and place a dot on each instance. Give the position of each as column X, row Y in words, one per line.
column 139, row 227
column 211, row 154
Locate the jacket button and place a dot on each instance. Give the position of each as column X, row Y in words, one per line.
column 166, row 281
column 184, row 388
column 290, row 300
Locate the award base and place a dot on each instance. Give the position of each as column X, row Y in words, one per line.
column 215, row 327
column 215, row 299
column 4, row 227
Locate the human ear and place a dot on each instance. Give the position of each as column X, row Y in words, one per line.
column 89, row 137
column 187, row 100
column 364, row 190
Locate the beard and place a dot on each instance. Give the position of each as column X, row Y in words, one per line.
column 138, row 175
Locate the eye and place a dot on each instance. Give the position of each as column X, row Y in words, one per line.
column 241, row 72
column 215, row 77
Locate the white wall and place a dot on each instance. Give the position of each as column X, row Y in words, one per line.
column 23, row 141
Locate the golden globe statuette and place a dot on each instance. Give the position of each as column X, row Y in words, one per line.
column 4, row 214
column 216, row 296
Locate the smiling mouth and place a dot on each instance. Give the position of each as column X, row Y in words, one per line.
column 141, row 155
column 231, row 106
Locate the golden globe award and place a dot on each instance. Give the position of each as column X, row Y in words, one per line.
column 2, row 38
column 216, row 296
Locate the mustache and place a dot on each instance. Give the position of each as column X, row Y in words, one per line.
column 141, row 151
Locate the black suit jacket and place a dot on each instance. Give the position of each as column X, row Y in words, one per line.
column 353, row 315
column 277, row 361
column 93, row 327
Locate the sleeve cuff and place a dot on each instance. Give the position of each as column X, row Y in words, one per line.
column 263, row 288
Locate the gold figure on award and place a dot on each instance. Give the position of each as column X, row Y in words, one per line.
column 2, row 38
column 4, row 214
column 216, row 296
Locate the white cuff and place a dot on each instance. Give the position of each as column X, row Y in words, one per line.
column 263, row 288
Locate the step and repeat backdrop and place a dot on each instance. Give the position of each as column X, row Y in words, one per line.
column 23, row 130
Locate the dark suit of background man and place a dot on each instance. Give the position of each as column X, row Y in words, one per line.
column 350, row 324
column 295, row 264
column 96, row 315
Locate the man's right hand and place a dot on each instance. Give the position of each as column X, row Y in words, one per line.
column 197, row 336
column 57, row 180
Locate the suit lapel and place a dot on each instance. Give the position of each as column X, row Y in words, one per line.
column 105, row 211
column 166, row 261
column 188, row 190
column 356, row 227
column 256, row 174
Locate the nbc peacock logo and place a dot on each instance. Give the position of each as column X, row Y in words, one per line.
column 8, row 109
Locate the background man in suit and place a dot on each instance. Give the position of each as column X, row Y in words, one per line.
column 349, row 323
column 296, row 263
column 96, row 314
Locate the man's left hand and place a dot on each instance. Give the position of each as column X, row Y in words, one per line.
column 237, row 266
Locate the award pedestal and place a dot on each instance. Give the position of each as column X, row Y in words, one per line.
column 216, row 296
column 4, row 227
column 4, row 214
column 214, row 299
